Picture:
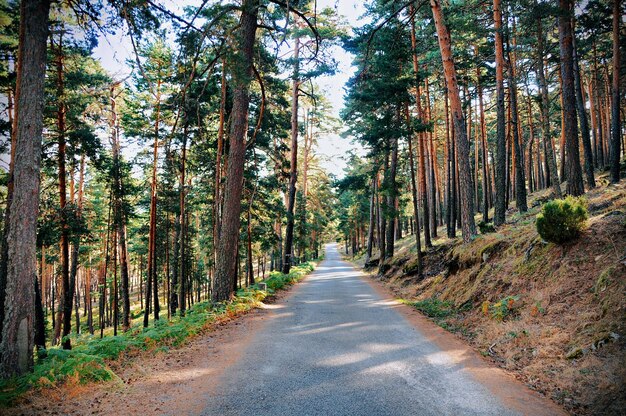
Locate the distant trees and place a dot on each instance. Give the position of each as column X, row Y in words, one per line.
column 493, row 116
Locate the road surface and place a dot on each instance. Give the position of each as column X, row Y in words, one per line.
column 336, row 346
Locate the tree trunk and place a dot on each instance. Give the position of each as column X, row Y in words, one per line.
column 370, row 232
column 545, row 113
column 520, row 177
column 465, row 175
column 570, row 127
column 382, row 215
column 182, row 227
column 76, row 243
column 501, row 165
column 249, row 260
column 293, row 177
column 217, row 213
column 420, row 136
column 152, row 283
column 391, row 197
column 422, row 168
column 416, row 217
column 16, row 346
column 450, row 175
column 119, row 215
column 103, row 272
column 226, row 264
column 616, row 126
column 582, row 116
column 483, row 143
column 67, row 294
column 597, row 104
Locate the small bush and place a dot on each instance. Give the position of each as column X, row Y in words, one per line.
column 562, row 220
column 486, row 227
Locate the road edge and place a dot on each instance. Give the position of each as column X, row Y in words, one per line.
column 502, row 383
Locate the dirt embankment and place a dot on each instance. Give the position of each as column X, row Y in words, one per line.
column 554, row 315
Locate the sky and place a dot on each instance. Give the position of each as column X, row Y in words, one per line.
column 114, row 50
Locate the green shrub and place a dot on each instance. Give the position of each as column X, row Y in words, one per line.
column 486, row 227
column 433, row 307
column 562, row 220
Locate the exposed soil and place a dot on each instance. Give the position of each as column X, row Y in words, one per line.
column 565, row 334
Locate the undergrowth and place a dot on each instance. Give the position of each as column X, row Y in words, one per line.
column 433, row 307
column 88, row 360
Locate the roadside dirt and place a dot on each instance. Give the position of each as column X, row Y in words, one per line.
column 168, row 383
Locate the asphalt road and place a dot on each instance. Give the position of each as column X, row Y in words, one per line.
column 336, row 347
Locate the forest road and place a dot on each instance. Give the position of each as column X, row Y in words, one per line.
column 339, row 345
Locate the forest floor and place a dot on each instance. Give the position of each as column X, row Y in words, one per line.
column 553, row 315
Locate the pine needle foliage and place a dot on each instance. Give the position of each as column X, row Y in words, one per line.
column 562, row 220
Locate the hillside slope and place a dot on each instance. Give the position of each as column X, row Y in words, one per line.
column 554, row 315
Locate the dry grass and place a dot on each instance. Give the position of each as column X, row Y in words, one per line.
column 571, row 301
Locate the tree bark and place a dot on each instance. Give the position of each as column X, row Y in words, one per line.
column 465, row 175
column 501, row 168
column 16, row 346
column 582, row 116
column 293, row 177
column 545, row 113
column 616, row 126
column 574, row 176
column 226, row 265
